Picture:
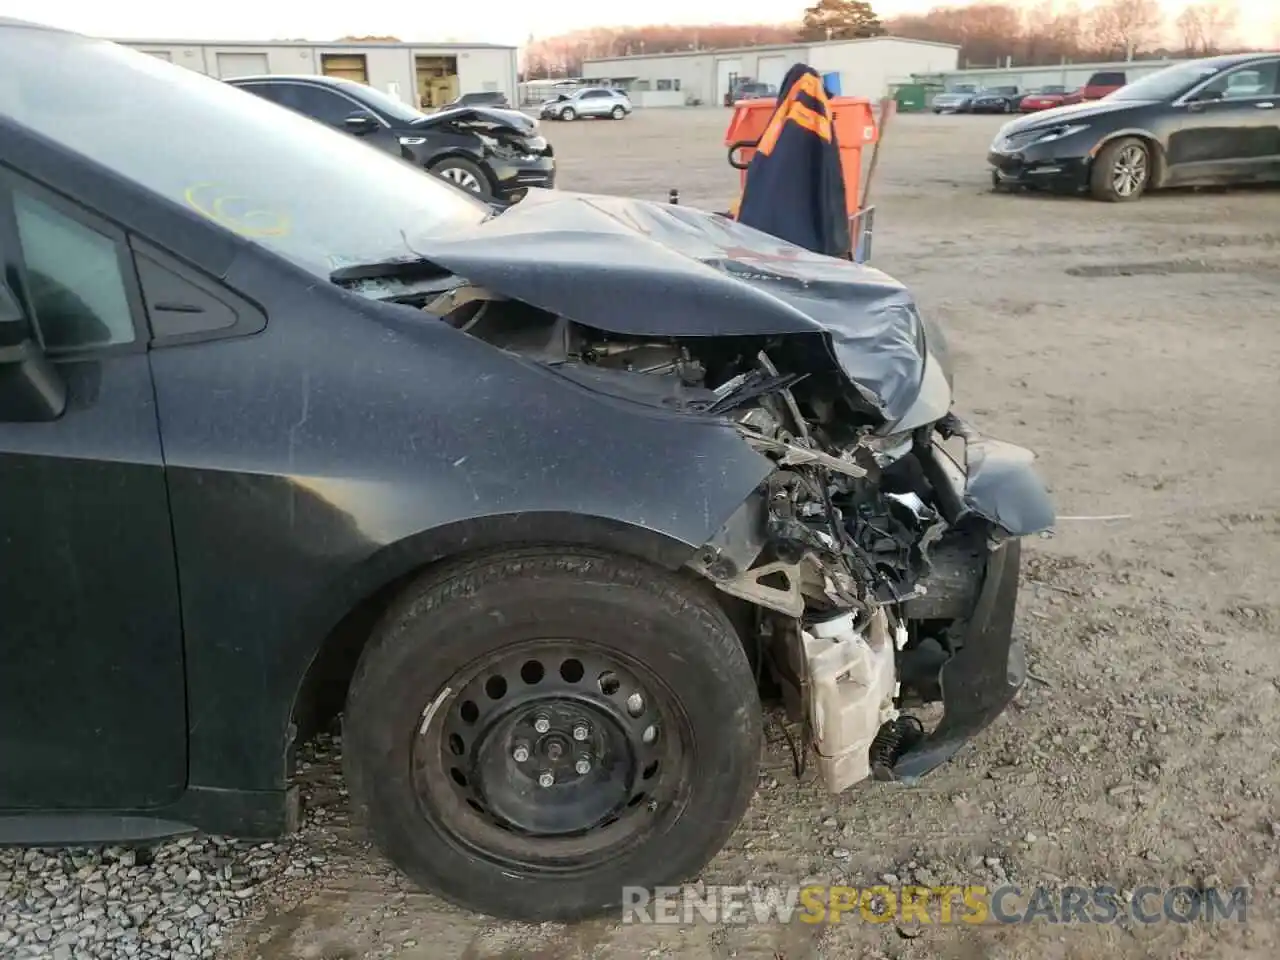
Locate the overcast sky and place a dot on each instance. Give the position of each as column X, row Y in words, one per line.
column 497, row 21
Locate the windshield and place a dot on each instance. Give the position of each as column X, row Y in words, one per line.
column 318, row 197
column 1167, row 83
column 393, row 107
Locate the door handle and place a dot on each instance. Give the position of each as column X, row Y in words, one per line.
column 1266, row 106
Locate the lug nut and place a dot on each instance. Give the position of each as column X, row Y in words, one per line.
column 650, row 734
column 520, row 754
column 635, row 704
column 583, row 766
column 542, row 724
column 546, row 779
column 581, row 732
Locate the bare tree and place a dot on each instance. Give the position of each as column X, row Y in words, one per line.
column 1190, row 24
column 1124, row 27
column 1051, row 31
column 1220, row 20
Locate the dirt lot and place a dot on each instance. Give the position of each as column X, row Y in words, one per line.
column 1136, row 348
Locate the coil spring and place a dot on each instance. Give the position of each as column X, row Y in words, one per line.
column 893, row 740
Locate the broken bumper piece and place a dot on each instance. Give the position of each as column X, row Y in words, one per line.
column 997, row 484
column 981, row 680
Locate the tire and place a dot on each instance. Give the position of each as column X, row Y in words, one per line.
column 1107, row 181
column 464, row 173
column 476, row 620
column 617, row 113
column 568, row 113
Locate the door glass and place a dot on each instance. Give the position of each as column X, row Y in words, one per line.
column 74, row 281
column 267, row 91
column 323, row 105
column 1257, row 80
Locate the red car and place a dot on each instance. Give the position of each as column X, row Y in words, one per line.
column 1099, row 85
column 1042, row 98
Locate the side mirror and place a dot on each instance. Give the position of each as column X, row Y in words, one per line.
column 31, row 390
column 360, row 123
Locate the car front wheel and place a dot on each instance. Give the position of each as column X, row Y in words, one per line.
column 1122, row 171
column 568, row 113
column 618, row 113
column 529, row 732
column 465, row 174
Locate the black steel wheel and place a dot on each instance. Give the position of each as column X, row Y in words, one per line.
column 553, row 754
column 529, row 732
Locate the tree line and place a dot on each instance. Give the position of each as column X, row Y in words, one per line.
column 1023, row 32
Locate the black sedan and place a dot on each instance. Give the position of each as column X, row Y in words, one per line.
column 995, row 100
column 1210, row 121
column 528, row 495
column 494, row 152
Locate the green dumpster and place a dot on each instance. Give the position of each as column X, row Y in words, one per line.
column 910, row 97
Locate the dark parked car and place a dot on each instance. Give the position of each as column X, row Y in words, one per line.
column 1210, row 121
column 484, row 98
column 288, row 429
column 995, row 100
column 492, row 152
column 749, row 90
column 955, row 100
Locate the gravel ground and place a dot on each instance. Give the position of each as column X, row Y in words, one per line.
column 1135, row 348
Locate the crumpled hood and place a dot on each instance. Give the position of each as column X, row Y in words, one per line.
column 493, row 116
column 662, row 270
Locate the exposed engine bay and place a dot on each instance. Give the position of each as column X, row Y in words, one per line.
column 854, row 569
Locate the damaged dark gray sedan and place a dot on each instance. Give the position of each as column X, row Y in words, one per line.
column 537, row 499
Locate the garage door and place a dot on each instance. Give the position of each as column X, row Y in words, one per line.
column 771, row 70
column 347, row 66
column 232, row 65
column 726, row 72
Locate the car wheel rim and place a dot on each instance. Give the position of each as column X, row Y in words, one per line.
column 463, row 178
column 552, row 756
column 1130, row 172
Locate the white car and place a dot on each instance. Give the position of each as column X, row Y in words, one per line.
column 588, row 102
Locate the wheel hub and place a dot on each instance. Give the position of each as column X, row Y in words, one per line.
column 533, row 773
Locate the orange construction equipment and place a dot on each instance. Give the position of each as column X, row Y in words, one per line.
column 855, row 128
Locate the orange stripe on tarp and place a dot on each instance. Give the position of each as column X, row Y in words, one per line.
column 792, row 110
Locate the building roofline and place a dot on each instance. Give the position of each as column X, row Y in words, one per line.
column 312, row 44
column 720, row 51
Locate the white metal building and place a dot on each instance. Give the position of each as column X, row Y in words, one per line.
column 1069, row 75
column 866, row 68
column 422, row 74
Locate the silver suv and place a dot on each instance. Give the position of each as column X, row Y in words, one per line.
column 589, row 102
